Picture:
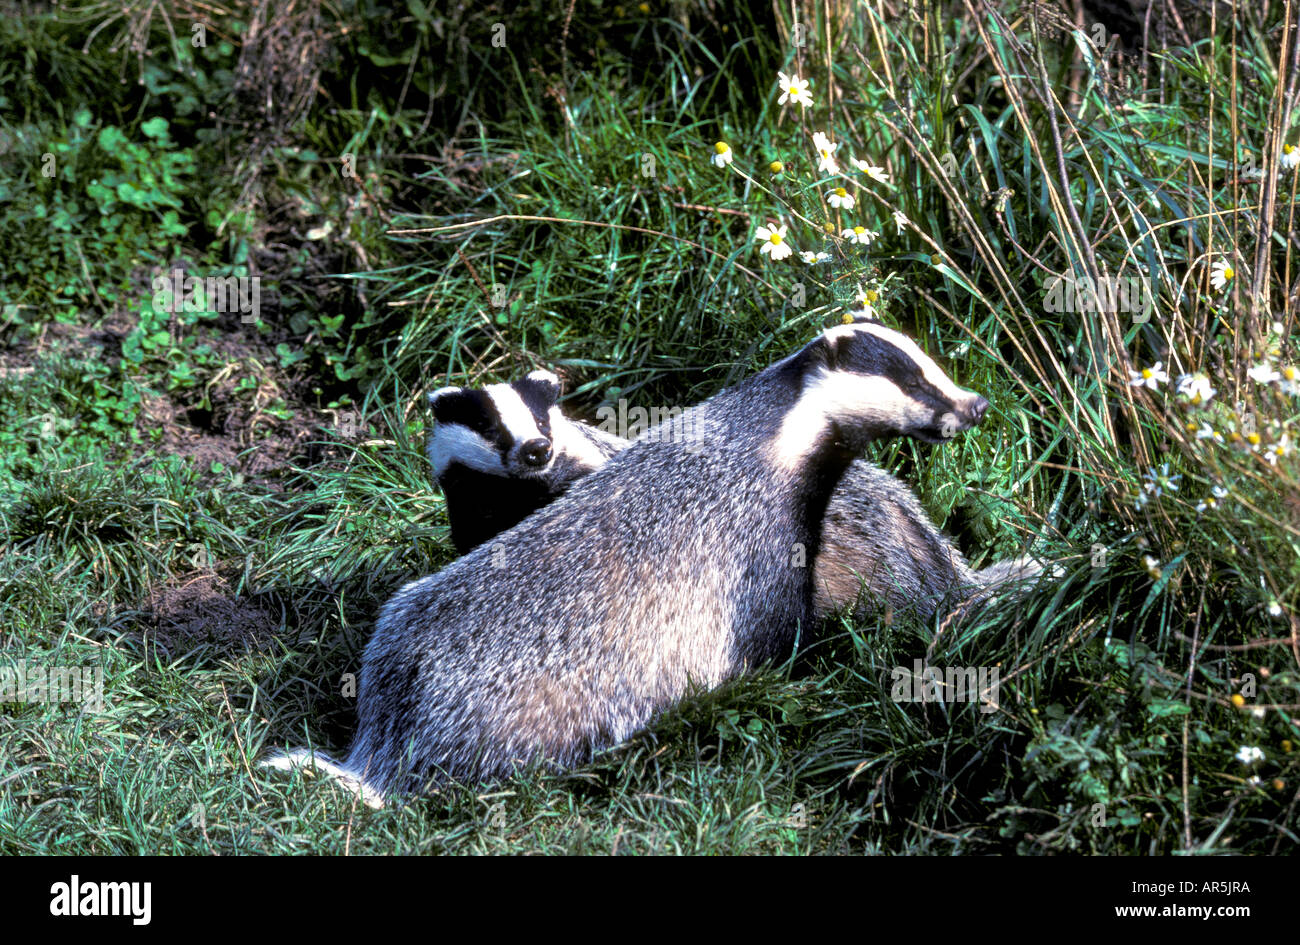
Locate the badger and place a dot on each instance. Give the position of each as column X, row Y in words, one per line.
column 879, row 548
column 677, row 564
column 503, row 451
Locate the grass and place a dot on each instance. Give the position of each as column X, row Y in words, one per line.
column 212, row 513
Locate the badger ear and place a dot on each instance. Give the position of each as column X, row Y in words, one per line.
column 547, row 383
column 439, row 399
column 829, row 347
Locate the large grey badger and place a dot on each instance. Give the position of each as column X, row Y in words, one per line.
column 504, row 451
column 677, row 564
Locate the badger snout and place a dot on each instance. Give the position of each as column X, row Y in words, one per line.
column 962, row 416
column 535, row 453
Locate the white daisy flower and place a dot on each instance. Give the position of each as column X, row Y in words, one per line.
column 1151, row 377
column 1274, row 609
column 1278, row 450
column 1290, row 156
column 1249, row 755
column 1153, row 566
column 859, row 235
column 1220, row 273
column 1196, row 388
column 826, row 163
column 1289, row 376
column 872, row 171
column 1211, row 501
column 900, row 220
column 1263, row 373
column 866, row 297
column 1158, row 479
column 793, row 89
column 1259, row 711
column 812, row 258
column 841, row 199
column 1207, row 432
column 866, row 167
column 722, row 154
column 773, row 240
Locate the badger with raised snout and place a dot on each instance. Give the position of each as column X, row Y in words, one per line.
column 673, row 565
column 879, row 547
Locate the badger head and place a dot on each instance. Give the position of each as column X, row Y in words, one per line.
column 869, row 382
column 501, row 429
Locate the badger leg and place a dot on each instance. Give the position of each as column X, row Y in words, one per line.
column 309, row 760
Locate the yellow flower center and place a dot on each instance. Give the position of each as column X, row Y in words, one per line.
column 841, row 192
column 859, row 230
column 1227, row 272
column 1252, row 439
column 776, row 167
column 1289, row 372
column 643, row 7
column 847, row 318
column 1146, row 373
column 775, row 239
column 1287, row 149
column 1238, row 699
column 721, row 147
column 870, row 295
column 1191, row 427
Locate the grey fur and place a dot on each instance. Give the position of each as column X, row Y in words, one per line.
column 670, row 567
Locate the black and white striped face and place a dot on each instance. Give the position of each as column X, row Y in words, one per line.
column 501, row 429
column 875, row 382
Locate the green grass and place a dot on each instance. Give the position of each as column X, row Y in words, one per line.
column 184, row 508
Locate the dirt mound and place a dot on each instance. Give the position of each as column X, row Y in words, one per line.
column 202, row 606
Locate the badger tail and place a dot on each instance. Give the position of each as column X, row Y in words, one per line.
column 307, row 759
column 1012, row 570
column 1004, row 581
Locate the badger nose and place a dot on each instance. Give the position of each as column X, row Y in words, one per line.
column 976, row 410
column 536, row 452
